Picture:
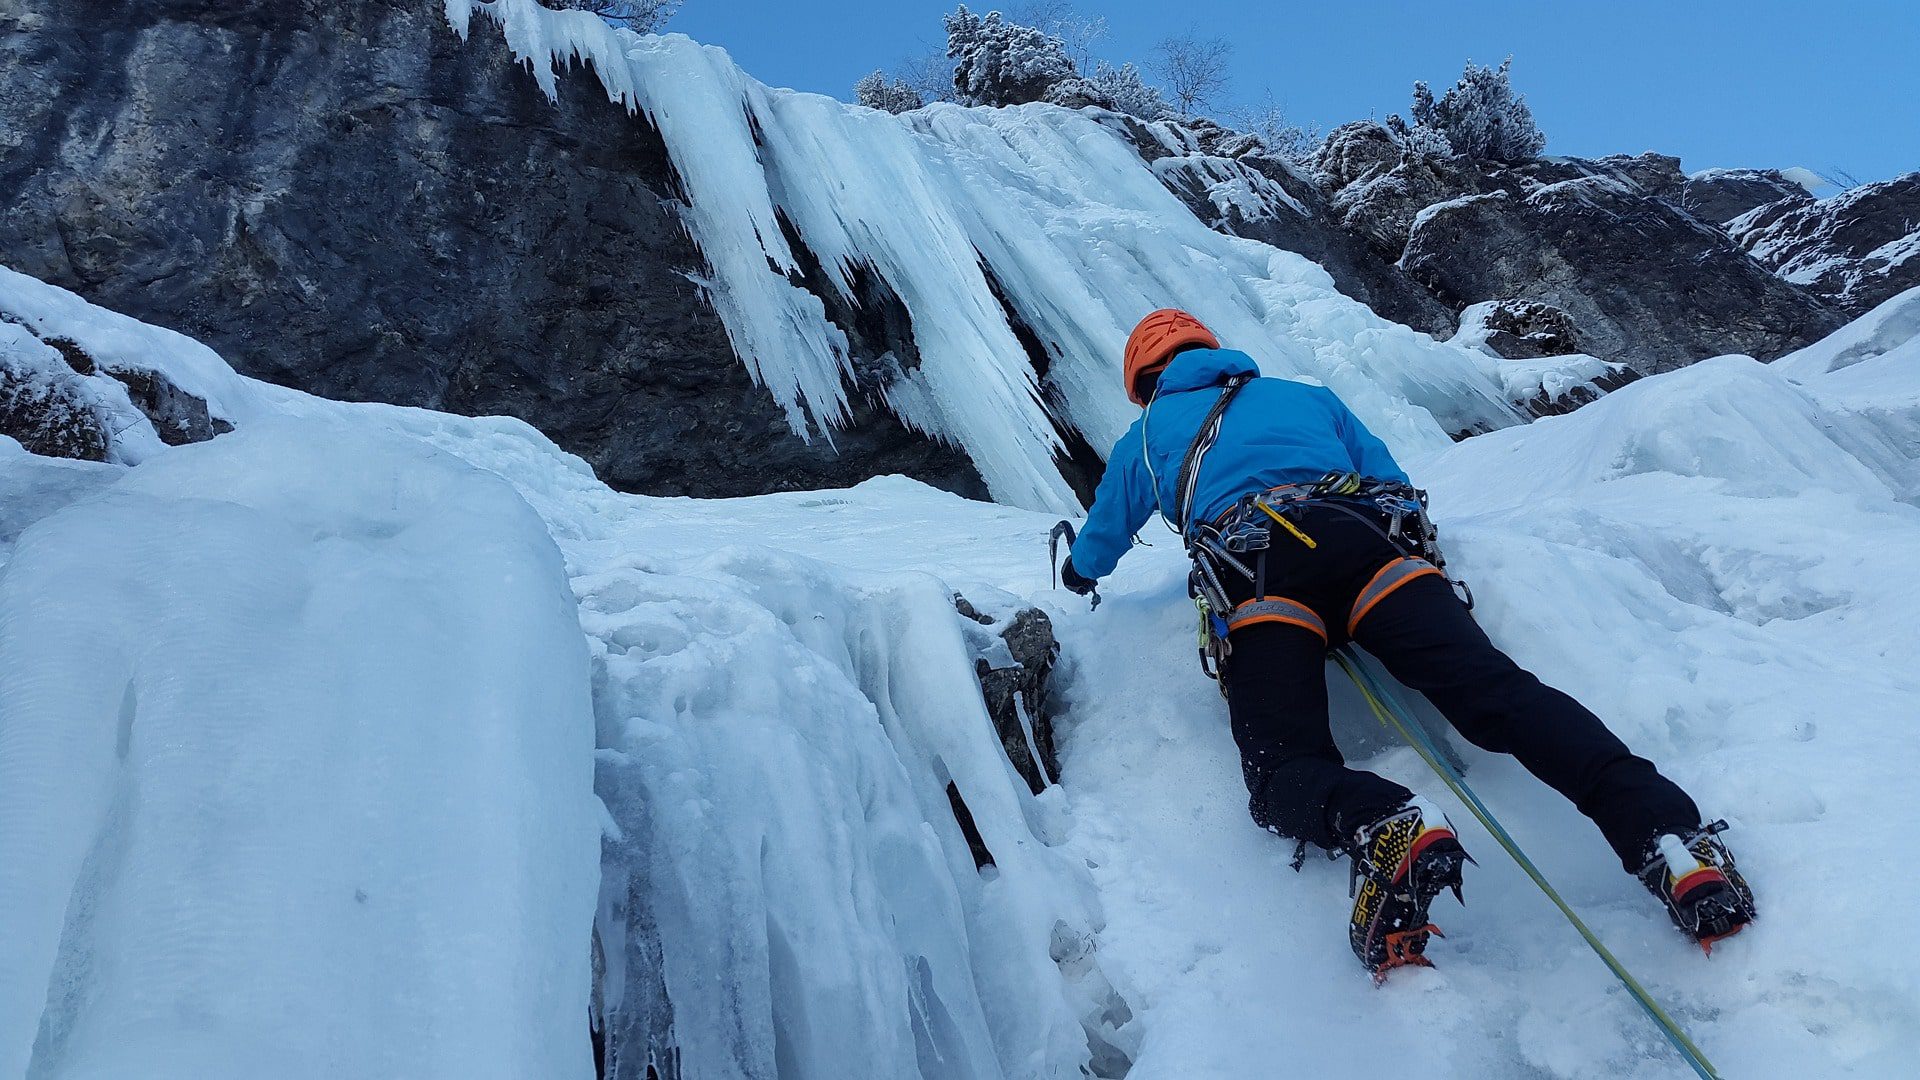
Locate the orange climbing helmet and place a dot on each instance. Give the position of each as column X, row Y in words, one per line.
column 1154, row 341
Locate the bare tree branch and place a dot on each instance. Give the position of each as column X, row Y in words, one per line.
column 1194, row 70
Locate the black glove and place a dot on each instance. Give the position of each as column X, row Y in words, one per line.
column 1071, row 578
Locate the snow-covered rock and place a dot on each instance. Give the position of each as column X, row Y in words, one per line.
column 1648, row 285
column 1545, row 368
column 59, row 398
column 1857, row 248
column 1521, row 329
column 1717, row 196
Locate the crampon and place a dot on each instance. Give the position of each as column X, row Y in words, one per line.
column 1400, row 863
column 1695, row 877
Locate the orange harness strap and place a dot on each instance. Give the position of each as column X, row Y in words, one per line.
column 1391, row 577
column 1276, row 609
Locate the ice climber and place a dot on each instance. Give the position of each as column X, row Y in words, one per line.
column 1307, row 534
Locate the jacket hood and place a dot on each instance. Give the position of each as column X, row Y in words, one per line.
column 1197, row 369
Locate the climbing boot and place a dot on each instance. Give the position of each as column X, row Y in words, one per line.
column 1400, row 863
column 1695, row 877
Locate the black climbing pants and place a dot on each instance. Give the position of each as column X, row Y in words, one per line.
column 1276, row 684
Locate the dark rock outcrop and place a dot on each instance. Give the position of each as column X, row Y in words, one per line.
column 50, row 415
column 177, row 416
column 1528, row 330
column 1648, row 285
column 1013, row 681
column 349, row 199
column 1720, row 195
column 1384, row 205
column 1858, row 248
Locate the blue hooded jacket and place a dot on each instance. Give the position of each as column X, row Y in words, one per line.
column 1276, row 432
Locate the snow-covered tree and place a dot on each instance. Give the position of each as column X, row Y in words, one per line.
column 1419, row 140
column 998, row 62
column 1481, row 117
column 877, row 91
column 1078, row 33
column 1130, row 93
column 1278, row 135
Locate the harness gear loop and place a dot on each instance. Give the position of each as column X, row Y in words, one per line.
column 1387, row 709
column 1281, row 519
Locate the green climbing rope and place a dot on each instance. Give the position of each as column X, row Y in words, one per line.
column 1385, row 707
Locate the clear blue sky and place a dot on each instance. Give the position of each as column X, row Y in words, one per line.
column 1763, row 83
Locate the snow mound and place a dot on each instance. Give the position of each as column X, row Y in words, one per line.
column 982, row 222
column 294, row 771
column 1811, row 182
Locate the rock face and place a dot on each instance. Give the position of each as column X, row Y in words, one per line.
column 348, row 199
column 1233, row 187
column 1858, row 248
column 1648, row 285
column 1720, row 195
column 1627, row 247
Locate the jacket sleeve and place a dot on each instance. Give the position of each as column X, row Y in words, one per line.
column 1370, row 456
column 1122, row 503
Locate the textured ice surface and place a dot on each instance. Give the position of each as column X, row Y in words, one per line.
column 294, row 770
column 1080, row 234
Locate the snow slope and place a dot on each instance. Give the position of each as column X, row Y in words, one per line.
column 1079, row 233
column 292, row 732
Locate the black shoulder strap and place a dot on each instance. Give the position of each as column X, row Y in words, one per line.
column 1203, row 441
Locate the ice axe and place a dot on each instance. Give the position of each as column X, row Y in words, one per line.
column 1053, row 557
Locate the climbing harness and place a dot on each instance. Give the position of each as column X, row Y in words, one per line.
column 1234, row 543
column 1388, row 710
